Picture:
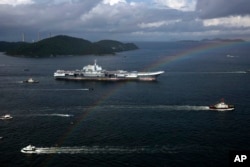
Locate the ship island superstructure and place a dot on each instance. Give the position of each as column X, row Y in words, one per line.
column 96, row 73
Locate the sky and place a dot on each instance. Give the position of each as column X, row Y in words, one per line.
column 125, row 20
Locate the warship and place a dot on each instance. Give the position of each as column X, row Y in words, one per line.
column 96, row 73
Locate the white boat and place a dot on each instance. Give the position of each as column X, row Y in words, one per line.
column 222, row 106
column 6, row 117
column 30, row 80
column 29, row 149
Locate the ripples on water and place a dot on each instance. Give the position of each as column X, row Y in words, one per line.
column 164, row 123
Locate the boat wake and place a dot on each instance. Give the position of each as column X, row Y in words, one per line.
column 160, row 107
column 104, row 150
column 84, row 89
column 187, row 107
column 51, row 115
column 19, row 81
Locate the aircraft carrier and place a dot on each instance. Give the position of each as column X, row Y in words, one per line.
column 96, row 73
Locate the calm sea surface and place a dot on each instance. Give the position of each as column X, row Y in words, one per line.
column 165, row 123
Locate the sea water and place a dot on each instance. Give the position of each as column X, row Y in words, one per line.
column 162, row 123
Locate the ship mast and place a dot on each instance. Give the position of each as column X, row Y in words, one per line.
column 23, row 37
column 95, row 64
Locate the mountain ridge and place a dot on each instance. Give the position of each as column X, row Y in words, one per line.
column 64, row 45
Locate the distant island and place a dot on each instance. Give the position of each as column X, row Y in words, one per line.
column 64, row 45
column 223, row 40
column 214, row 40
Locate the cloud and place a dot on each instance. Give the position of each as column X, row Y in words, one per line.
column 229, row 22
column 120, row 19
column 183, row 5
column 113, row 2
column 222, row 8
column 43, row 16
column 130, row 15
column 157, row 24
column 16, row 2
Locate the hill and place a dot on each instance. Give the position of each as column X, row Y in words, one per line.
column 64, row 45
column 5, row 46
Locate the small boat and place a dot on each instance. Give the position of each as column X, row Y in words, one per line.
column 222, row 106
column 6, row 117
column 28, row 149
column 30, row 80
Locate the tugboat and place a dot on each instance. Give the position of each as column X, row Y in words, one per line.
column 28, row 149
column 6, row 117
column 30, row 80
column 222, row 106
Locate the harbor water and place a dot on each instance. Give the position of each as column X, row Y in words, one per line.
column 161, row 123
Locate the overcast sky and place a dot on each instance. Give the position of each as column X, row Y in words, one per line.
column 125, row 20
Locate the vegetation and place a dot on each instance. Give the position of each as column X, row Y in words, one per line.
column 64, row 45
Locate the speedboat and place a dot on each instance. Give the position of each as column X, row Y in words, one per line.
column 5, row 117
column 222, row 106
column 30, row 80
column 28, row 149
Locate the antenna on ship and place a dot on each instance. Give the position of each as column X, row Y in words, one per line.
column 23, row 35
column 95, row 64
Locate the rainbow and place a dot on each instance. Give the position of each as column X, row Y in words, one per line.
column 188, row 53
column 182, row 55
column 77, row 124
column 191, row 52
column 88, row 110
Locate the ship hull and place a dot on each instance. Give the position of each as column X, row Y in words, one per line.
column 106, row 79
column 230, row 108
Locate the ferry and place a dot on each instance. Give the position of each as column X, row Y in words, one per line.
column 6, row 117
column 222, row 106
column 96, row 73
column 29, row 149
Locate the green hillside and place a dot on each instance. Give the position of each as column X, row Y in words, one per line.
column 64, row 45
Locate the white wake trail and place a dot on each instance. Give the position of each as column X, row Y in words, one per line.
column 84, row 89
column 160, row 107
column 103, row 150
column 187, row 107
column 51, row 115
